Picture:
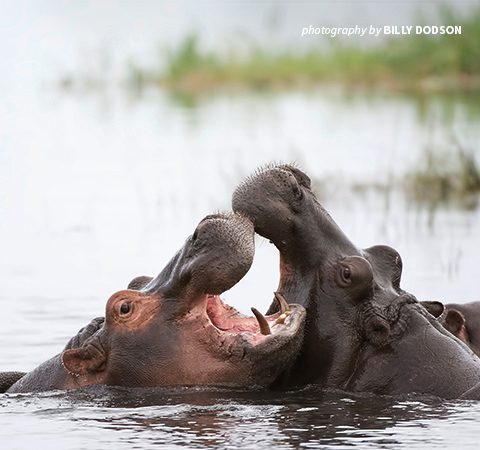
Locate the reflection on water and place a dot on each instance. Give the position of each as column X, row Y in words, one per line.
column 220, row 418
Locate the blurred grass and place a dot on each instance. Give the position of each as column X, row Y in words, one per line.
column 446, row 177
column 415, row 61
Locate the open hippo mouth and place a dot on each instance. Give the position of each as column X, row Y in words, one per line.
column 230, row 347
column 259, row 328
column 175, row 330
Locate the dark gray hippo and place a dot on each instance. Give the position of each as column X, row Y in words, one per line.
column 364, row 333
column 7, row 379
column 463, row 321
column 176, row 330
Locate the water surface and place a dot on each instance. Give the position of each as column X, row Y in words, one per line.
column 98, row 189
column 98, row 417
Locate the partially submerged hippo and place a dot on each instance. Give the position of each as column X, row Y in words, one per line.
column 463, row 321
column 363, row 332
column 176, row 330
column 8, row 378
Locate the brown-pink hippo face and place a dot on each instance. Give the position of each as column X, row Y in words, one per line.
column 177, row 330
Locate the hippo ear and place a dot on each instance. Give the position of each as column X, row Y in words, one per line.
column 377, row 330
column 434, row 308
column 84, row 360
column 138, row 283
column 454, row 321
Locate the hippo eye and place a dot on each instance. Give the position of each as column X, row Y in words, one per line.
column 125, row 308
column 346, row 274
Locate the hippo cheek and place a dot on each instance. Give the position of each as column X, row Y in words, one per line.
column 377, row 330
column 211, row 344
column 143, row 345
column 223, row 346
column 347, row 311
column 214, row 344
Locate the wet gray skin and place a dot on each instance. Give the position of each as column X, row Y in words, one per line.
column 364, row 333
column 7, row 379
column 175, row 330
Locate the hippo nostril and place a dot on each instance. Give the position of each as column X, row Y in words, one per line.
column 125, row 308
column 195, row 235
column 295, row 186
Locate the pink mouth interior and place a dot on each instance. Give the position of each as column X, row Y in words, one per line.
column 228, row 319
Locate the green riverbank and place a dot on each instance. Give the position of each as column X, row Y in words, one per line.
column 440, row 62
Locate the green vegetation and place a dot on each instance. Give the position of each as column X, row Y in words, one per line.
column 420, row 55
column 449, row 177
column 427, row 62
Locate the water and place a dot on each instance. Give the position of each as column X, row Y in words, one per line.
column 101, row 186
column 215, row 418
column 99, row 189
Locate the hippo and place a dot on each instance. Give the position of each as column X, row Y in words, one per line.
column 463, row 321
column 8, row 378
column 176, row 330
column 364, row 333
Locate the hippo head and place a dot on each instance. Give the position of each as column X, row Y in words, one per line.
column 175, row 330
column 352, row 296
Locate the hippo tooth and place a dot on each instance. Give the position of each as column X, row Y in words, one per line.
column 281, row 318
column 282, row 302
column 264, row 328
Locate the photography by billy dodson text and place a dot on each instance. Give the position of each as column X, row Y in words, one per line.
column 386, row 30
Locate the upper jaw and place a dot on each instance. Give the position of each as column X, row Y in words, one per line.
column 283, row 208
column 213, row 259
